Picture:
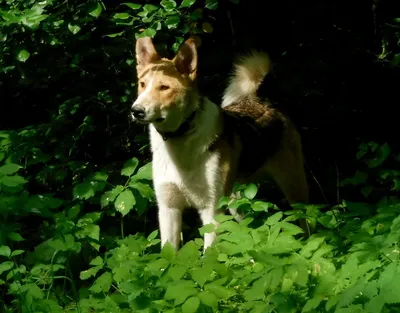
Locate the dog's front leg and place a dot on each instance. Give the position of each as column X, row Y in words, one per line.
column 170, row 206
column 207, row 217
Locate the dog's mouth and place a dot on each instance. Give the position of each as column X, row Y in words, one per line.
column 147, row 120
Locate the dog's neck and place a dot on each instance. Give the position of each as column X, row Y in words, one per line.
column 186, row 125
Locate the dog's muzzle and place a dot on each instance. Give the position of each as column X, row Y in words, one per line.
column 138, row 112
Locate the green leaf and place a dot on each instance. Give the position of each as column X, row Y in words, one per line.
column 208, row 299
column 153, row 235
column 250, row 191
column 172, row 21
column 133, row 6
column 201, row 275
column 260, row 206
column 16, row 252
column 125, row 202
column 145, row 190
column 381, row 156
column 102, row 284
column 114, row 35
column 222, row 202
column 15, row 236
column 121, row 16
column 168, row 5
column 99, row 176
column 83, row 190
column 12, row 181
column 145, row 172
column 89, row 273
column 219, row 291
column 96, row 11
column 208, row 228
column 211, row 4
column 6, row 266
column 148, row 32
column 9, row 169
column 74, row 29
column 187, row 3
column 273, row 219
column 97, row 261
column 110, row 196
column 129, row 167
column 23, row 55
column 150, row 7
column 191, row 305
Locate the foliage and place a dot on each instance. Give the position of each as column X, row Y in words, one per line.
column 76, row 200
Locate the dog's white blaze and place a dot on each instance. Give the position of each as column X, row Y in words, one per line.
column 145, row 96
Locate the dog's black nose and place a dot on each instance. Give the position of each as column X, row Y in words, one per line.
column 138, row 111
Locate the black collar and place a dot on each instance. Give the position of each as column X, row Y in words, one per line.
column 183, row 129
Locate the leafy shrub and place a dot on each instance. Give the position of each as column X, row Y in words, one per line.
column 72, row 168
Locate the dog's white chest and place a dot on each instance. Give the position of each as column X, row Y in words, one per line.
column 193, row 171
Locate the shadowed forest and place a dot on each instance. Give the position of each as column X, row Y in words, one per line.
column 78, row 215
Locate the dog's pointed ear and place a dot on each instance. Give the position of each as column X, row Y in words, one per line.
column 145, row 52
column 186, row 59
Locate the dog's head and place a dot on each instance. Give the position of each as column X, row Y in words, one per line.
column 165, row 87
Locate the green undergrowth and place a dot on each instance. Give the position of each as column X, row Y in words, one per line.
column 350, row 264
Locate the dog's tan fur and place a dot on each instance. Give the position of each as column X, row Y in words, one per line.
column 242, row 141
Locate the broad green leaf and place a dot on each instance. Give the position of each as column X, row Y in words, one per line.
column 97, row 261
column 144, row 189
column 222, row 202
column 133, row 6
column 129, row 167
column 202, row 274
column 219, row 291
column 191, row 305
column 172, row 21
column 15, row 236
column 83, row 190
column 208, row 228
column 121, row 16
column 153, row 235
column 6, row 266
column 99, row 176
column 9, row 169
column 5, row 251
column 125, row 202
column 102, row 284
column 16, row 252
column 148, row 32
column 89, row 273
column 110, row 196
column 12, row 181
column 96, row 11
column 187, row 3
column 74, row 29
column 273, row 219
column 179, row 291
column 145, row 172
column 250, row 191
column 150, row 7
column 260, row 206
column 23, row 55
column 168, row 5
column 33, row 291
column 208, row 299
column 177, row 271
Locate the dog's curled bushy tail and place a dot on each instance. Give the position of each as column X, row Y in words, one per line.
column 247, row 76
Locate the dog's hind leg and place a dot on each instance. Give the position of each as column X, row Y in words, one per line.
column 287, row 170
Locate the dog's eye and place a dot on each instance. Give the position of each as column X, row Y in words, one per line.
column 164, row 87
column 142, row 84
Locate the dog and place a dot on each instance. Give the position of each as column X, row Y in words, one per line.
column 199, row 149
